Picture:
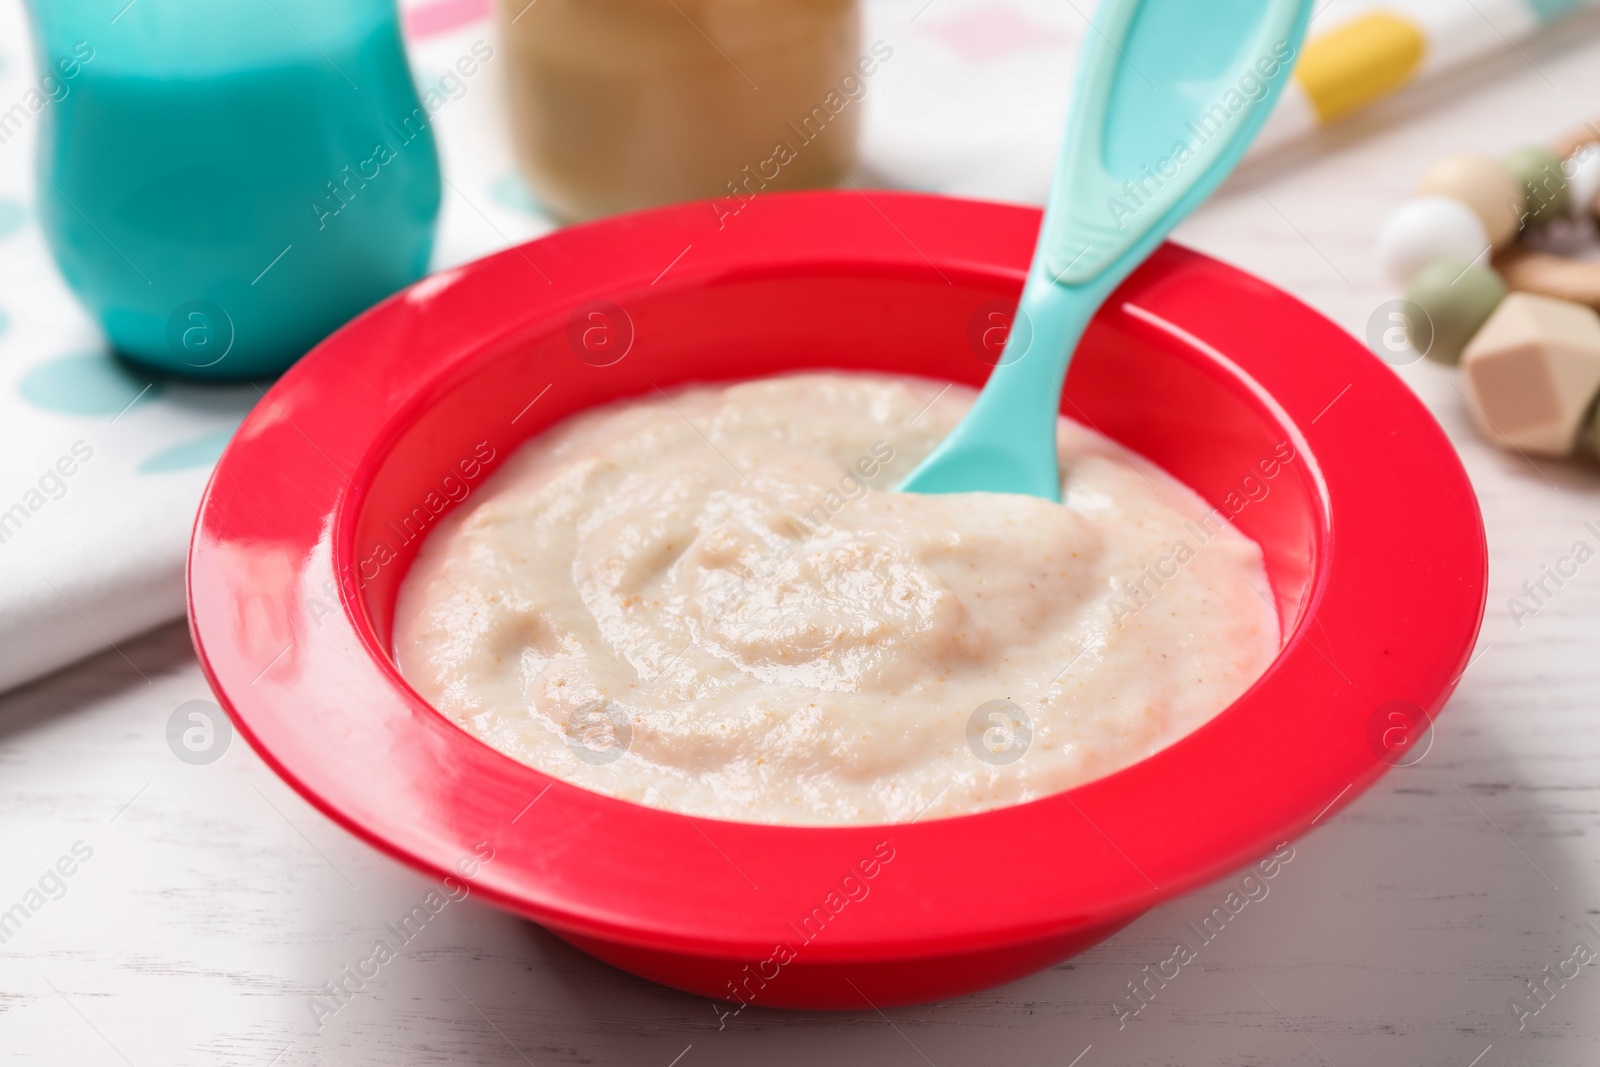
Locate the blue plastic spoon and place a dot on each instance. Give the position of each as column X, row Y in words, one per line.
column 1169, row 94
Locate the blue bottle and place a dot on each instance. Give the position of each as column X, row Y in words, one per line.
column 224, row 184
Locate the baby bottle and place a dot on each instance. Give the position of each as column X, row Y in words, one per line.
column 224, row 184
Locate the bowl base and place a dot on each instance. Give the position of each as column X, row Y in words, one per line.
column 734, row 985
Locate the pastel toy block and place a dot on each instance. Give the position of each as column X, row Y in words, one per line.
column 1532, row 372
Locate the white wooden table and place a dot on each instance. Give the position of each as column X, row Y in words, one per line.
column 216, row 902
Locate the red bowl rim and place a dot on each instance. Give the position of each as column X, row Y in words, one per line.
column 380, row 761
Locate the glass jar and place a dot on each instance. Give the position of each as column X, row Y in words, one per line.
column 622, row 104
column 224, row 184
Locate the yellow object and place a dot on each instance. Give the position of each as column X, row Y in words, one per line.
column 1365, row 59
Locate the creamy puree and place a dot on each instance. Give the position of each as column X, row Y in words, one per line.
column 712, row 602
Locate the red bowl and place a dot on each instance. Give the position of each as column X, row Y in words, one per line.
column 1370, row 530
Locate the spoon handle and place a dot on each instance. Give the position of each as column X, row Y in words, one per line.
column 1021, row 456
column 1140, row 152
column 1169, row 94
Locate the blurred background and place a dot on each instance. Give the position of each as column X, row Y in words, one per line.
column 155, row 277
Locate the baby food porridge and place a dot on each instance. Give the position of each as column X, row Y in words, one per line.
column 711, row 601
